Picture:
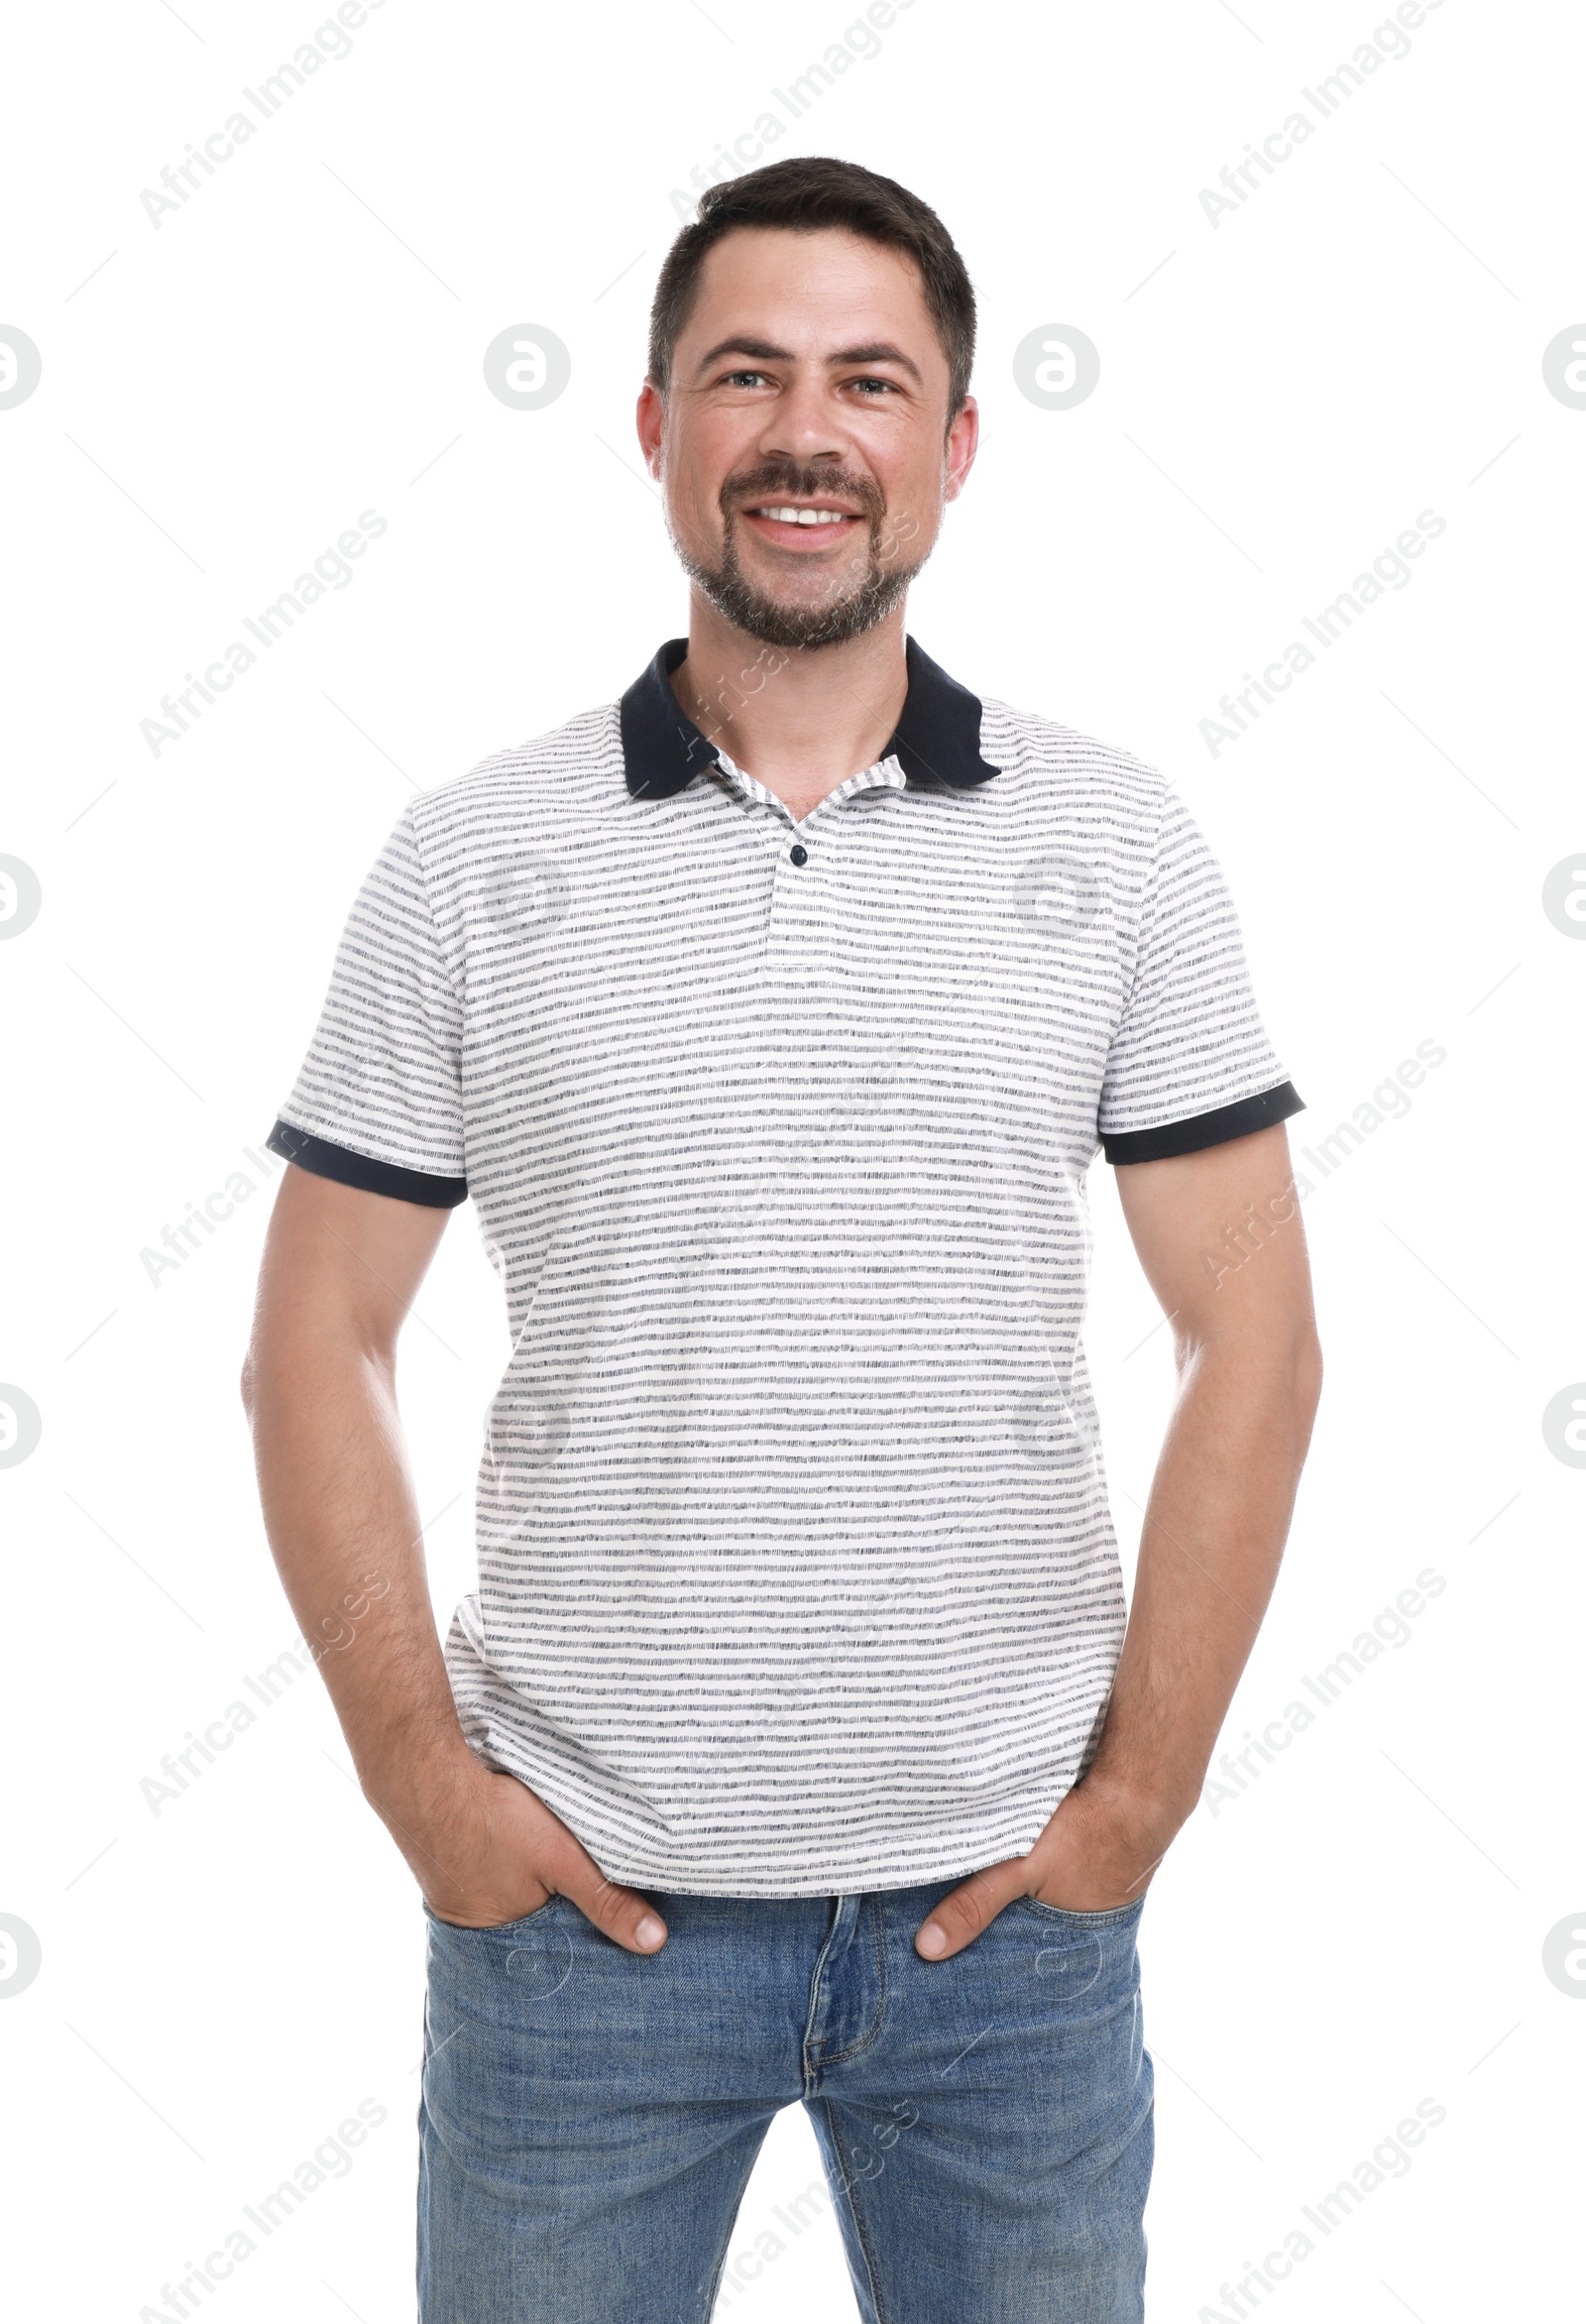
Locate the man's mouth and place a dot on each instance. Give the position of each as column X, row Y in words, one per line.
column 802, row 527
column 803, row 513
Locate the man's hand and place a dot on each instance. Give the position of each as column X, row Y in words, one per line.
column 1098, row 1851
column 496, row 1853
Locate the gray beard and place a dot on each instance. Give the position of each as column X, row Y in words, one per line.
column 850, row 615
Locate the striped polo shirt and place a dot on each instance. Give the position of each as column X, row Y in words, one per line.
column 796, row 1572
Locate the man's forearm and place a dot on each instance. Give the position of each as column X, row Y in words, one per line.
column 342, row 1521
column 341, row 1270
column 1212, row 1542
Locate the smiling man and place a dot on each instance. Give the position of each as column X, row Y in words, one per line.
column 794, row 1746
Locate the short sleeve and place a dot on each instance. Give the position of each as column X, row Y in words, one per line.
column 378, row 1103
column 1191, row 1065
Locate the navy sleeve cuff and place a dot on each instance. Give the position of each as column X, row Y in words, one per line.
column 1215, row 1128
column 325, row 1160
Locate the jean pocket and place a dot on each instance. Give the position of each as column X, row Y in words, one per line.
column 494, row 1928
column 1115, row 1916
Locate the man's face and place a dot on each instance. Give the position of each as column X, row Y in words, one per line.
column 803, row 444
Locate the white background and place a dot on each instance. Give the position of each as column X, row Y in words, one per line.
column 1281, row 395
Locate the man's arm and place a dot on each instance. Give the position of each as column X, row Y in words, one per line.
column 341, row 1269
column 1249, row 1378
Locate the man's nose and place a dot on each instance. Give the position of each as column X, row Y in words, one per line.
column 804, row 427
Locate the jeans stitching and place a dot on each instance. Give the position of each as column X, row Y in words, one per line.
column 720, row 2268
column 844, row 2194
column 858, row 2048
column 864, row 2246
column 810, row 2044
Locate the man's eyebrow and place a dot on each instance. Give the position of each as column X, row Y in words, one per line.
column 879, row 351
column 762, row 351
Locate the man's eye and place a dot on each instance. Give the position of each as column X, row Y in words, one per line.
column 885, row 386
column 742, row 379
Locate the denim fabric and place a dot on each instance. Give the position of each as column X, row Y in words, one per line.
column 590, row 2118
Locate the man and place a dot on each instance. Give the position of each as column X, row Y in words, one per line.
column 771, row 1019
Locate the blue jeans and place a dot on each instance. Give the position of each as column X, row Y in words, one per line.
column 590, row 2118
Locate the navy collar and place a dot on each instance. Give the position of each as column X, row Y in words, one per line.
column 937, row 739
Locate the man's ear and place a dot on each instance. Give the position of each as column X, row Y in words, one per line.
column 650, row 420
column 964, row 440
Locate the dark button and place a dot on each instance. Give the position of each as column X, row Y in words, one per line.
column 798, row 854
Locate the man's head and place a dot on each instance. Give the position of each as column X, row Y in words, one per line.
column 807, row 407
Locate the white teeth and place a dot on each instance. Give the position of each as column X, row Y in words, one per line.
column 803, row 515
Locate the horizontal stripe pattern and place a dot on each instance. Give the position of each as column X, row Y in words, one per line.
column 796, row 1570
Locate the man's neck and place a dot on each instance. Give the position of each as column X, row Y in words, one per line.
column 799, row 719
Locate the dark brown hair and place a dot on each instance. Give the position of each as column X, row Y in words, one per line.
column 806, row 195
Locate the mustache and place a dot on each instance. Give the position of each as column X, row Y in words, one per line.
column 817, row 481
